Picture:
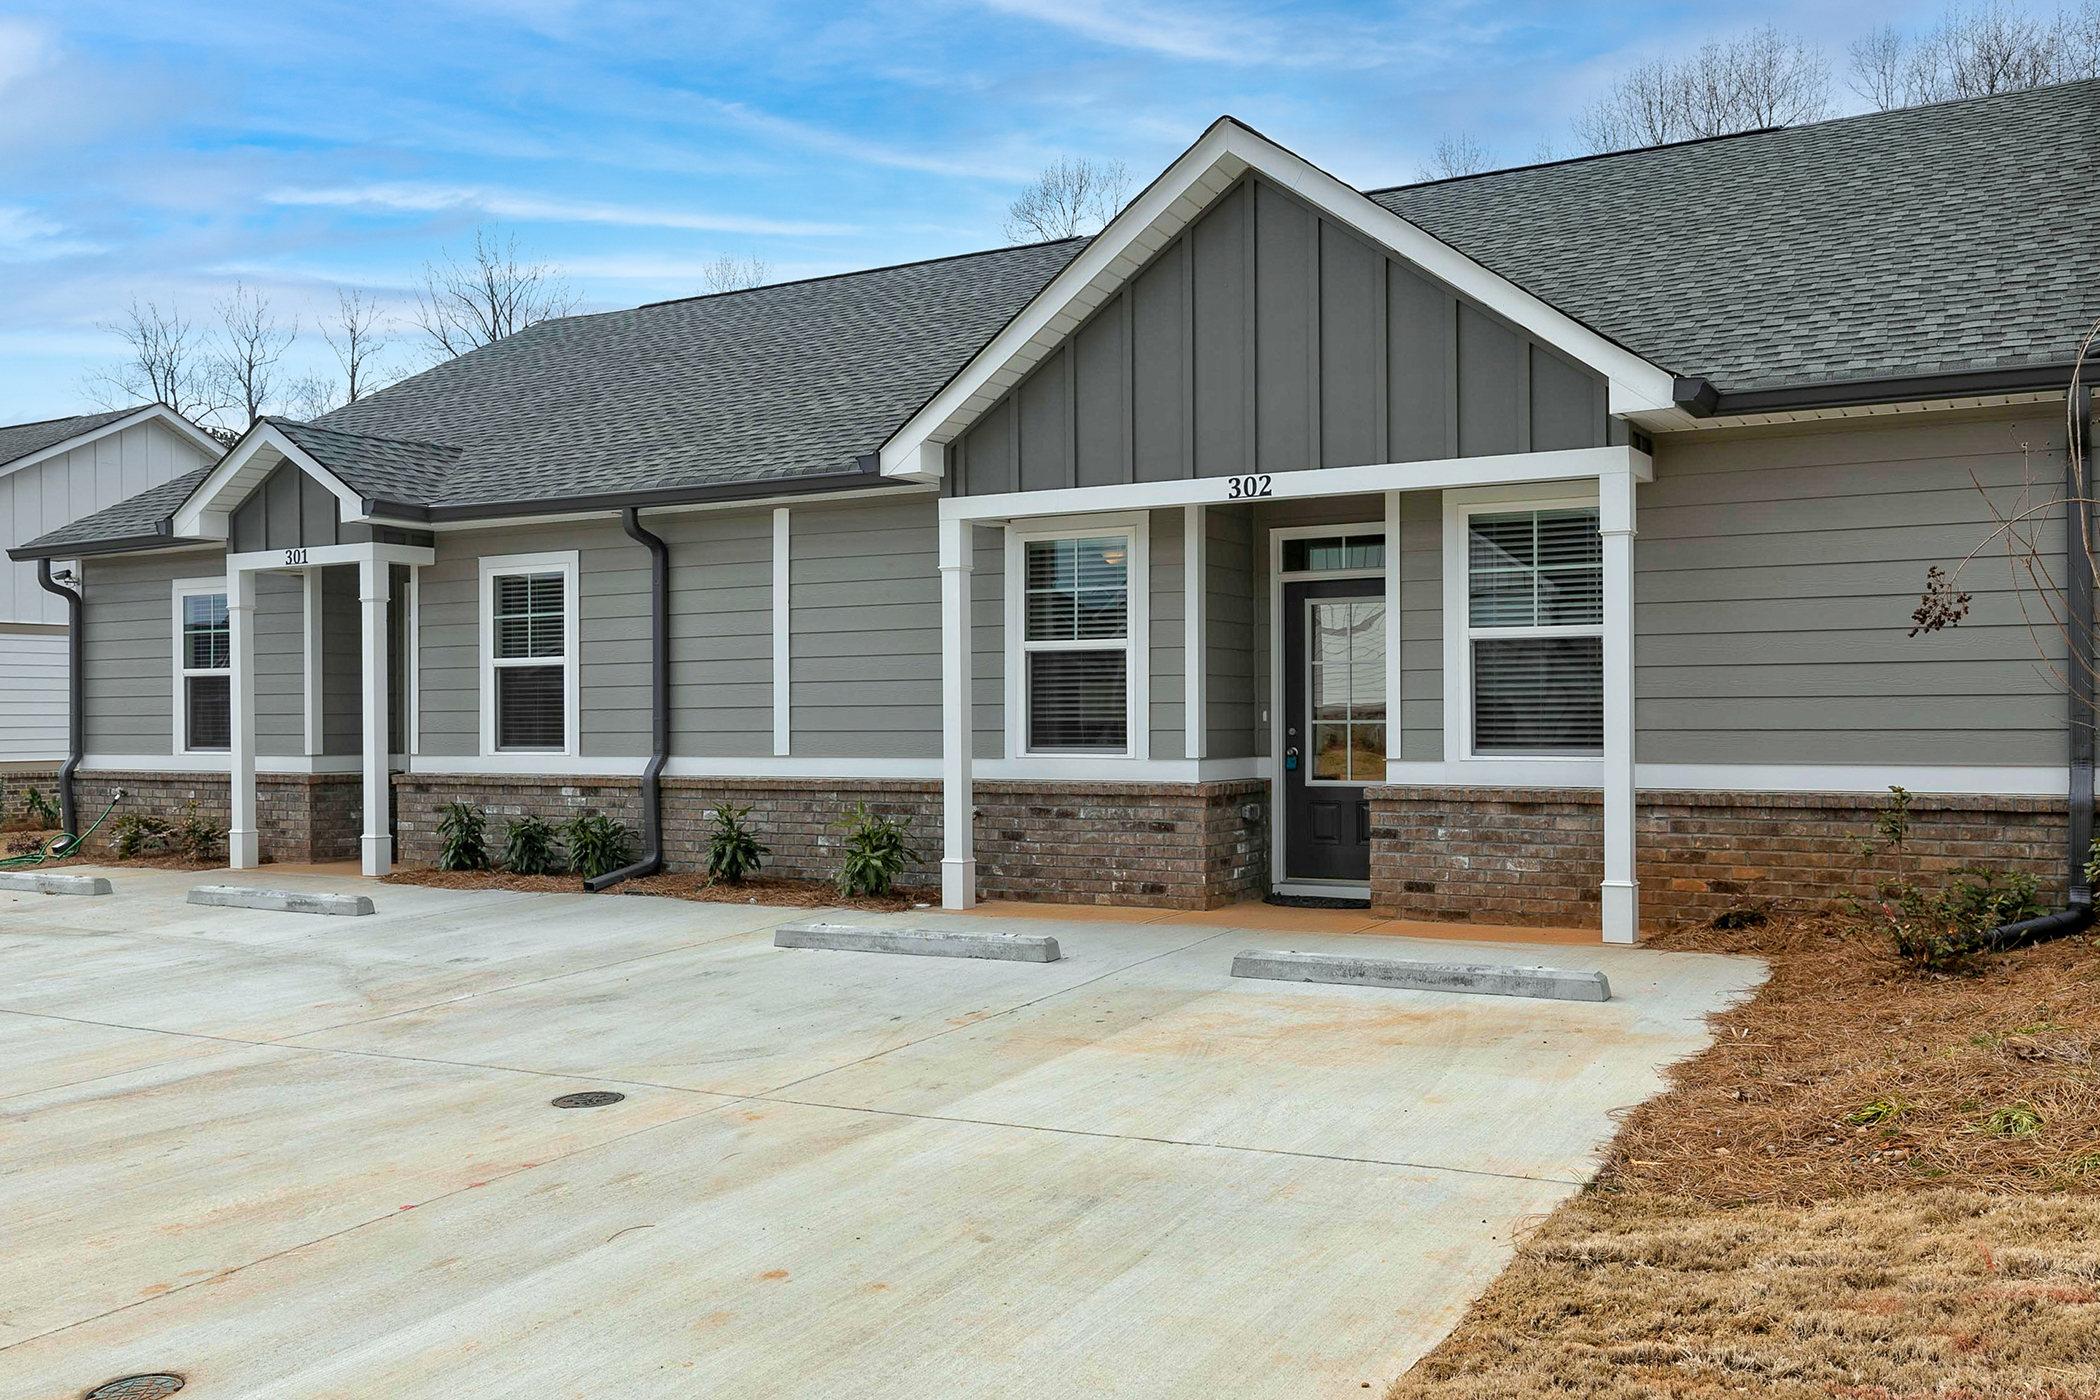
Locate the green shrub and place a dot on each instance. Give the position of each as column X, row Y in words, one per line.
column 597, row 845
column 875, row 852
column 529, row 847
column 462, row 839
column 732, row 851
column 141, row 835
column 38, row 809
column 199, row 840
column 1938, row 929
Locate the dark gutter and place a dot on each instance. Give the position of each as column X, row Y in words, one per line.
column 659, row 708
column 121, row 544
column 866, row 472
column 1700, row 398
column 73, row 669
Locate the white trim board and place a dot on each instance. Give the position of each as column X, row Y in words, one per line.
column 208, row 509
column 1219, row 158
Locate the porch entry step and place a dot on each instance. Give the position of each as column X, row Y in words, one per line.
column 54, row 884
column 921, row 942
column 1485, row 979
column 280, row 901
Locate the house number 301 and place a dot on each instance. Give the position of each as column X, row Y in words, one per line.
column 295, row 556
column 1247, row 488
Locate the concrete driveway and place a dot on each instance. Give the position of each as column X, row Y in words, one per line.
column 284, row 1155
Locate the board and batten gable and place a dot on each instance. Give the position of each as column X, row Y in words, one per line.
column 1270, row 338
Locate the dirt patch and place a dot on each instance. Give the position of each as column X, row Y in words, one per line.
column 1877, row 1184
column 786, row 894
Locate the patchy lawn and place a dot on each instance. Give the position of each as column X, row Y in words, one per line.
column 1878, row 1184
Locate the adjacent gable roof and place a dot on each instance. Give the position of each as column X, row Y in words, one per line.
column 23, row 444
column 1952, row 238
column 136, row 522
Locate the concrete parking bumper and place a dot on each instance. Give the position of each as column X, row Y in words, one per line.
column 1549, row 983
column 920, row 942
column 280, row 901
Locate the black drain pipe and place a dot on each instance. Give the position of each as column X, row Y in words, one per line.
column 73, row 736
column 2078, row 600
column 659, row 705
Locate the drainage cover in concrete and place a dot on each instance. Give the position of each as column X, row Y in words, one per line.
column 137, row 1388
column 589, row 1098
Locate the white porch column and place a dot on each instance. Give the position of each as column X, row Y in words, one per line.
column 958, row 839
column 1621, row 892
column 242, row 848
column 1195, row 626
column 374, row 584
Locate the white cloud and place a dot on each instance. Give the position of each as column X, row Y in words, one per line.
column 26, row 236
column 1211, row 33
column 24, row 48
column 433, row 198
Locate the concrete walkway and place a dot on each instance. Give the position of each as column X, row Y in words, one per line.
column 284, row 1155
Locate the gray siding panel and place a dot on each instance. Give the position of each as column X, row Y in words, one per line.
column 866, row 649
column 342, row 662
column 1102, row 420
column 1567, row 404
column 987, row 645
column 1233, row 700
column 280, row 665
column 1222, row 412
column 1046, row 427
column 1352, row 350
column 1490, row 357
column 1169, row 600
column 1421, row 625
column 1158, row 343
column 128, row 652
column 1287, row 299
column 1421, row 323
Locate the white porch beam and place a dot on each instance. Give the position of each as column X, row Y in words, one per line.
column 1621, row 891
column 958, row 838
column 242, row 847
column 1195, row 630
column 374, row 586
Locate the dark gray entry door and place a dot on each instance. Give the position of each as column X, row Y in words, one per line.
column 1334, row 725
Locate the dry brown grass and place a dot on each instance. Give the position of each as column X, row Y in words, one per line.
column 789, row 894
column 1827, row 1202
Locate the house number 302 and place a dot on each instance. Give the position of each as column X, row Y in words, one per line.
column 1247, row 488
column 295, row 556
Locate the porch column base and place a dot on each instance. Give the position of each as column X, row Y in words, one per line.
column 1622, row 911
column 378, row 854
column 241, row 850
column 958, row 883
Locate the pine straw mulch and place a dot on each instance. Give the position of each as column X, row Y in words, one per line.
column 765, row 890
column 1747, row 1235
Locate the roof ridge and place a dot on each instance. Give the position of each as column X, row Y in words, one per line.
column 76, row 417
column 280, row 423
column 836, row 276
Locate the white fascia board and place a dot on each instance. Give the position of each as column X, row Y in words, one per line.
column 1206, row 170
column 208, row 510
column 210, row 446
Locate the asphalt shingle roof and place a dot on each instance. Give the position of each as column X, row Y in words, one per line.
column 783, row 381
column 1949, row 238
column 376, row 467
column 129, row 518
column 21, row 440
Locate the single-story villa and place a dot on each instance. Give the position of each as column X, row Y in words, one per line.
column 1530, row 546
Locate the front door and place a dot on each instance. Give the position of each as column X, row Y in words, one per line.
column 1334, row 725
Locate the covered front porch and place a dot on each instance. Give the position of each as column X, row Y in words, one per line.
column 1353, row 648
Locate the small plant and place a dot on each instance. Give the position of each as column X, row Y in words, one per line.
column 529, row 847
column 462, row 838
column 1878, row 1111
column 2015, row 1120
column 875, row 852
column 597, row 844
column 732, row 851
column 39, row 810
column 1891, row 824
column 140, row 835
column 198, row 839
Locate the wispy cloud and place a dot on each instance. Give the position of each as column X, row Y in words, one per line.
column 26, row 236
column 415, row 198
column 1211, row 33
column 816, row 138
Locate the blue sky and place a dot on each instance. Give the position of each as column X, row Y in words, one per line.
column 163, row 150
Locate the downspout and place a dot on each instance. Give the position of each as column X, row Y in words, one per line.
column 73, row 649
column 660, row 707
column 2078, row 591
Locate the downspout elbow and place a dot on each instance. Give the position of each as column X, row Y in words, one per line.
column 652, row 858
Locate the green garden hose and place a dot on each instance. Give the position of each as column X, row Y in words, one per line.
column 61, row 844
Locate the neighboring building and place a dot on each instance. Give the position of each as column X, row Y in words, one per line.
column 1469, row 545
column 51, row 473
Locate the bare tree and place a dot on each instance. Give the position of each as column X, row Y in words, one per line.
column 1977, row 50
column 729, row 273
column 164, row 363
column 310, row 395
column 1073, row 195
column 245, row 359
column 1760, row 79
column 500, row 290
column 359, row 337
column 1456, row 153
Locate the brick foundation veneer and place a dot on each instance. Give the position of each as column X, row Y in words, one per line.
column 1536, row 855
column 300, row 818
column 1169, row 845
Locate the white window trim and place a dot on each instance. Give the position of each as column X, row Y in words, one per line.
column 189, row 588
column 567, row 562
column 1137, row 634
column 1460, row 760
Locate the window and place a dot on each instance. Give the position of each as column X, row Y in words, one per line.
column 1347, row 686
column 529, row 685
column 203, row 662
column 1076, row 632
column 1534, row 627
column 1333, row 553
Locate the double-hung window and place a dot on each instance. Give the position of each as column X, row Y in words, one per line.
column 1535, row 631
column 1076, row 643
column 529, row 641
column 203, row 668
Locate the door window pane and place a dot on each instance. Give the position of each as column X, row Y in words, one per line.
column 1346, row 689
column 1330, row 553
